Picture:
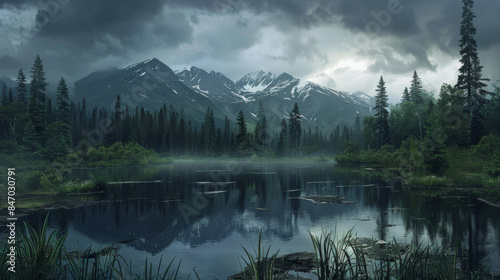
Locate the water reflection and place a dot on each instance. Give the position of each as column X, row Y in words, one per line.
column 179, row 212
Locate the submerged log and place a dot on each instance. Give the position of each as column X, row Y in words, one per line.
column 325, row 199
column 283, row 265
column 92, row 254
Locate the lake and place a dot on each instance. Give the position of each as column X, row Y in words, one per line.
column 203, row 212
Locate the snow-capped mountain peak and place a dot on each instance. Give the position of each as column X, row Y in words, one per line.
column 364, row 98
column 255, row 81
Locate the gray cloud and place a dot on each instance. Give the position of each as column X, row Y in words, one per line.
column 94, row 33
column 15, row 3
column 400, row 59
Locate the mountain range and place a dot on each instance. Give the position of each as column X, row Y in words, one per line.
column 151, row 84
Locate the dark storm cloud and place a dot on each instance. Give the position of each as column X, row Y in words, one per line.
column 385, row 17
column 401, row 58
column 81, row 32
column 353, row 14
column 292, row 12
column 444, row 28
column 84, row 22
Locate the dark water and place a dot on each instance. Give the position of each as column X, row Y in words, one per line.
column 203, row 212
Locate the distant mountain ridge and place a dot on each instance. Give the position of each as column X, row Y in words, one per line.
column 151, row 84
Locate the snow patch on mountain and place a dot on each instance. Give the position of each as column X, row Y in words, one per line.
column 255, row 81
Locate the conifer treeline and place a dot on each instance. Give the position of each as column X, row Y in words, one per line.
column 46, row 129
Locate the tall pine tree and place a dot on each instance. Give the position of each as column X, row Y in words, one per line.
column 5, row 99
column 241, row 136
column 282, row 140
column 417, row 98
column 294, row 128
column 381, row 114
column 21, row 88
column 117, row 121
column 406, row 96
column 470, row 78
column 36, row 106
column 416, row 90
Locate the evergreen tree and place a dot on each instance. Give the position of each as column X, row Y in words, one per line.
column 470, row 78
column 406, row 96
column 182, row 134
column 63, row 114
column 5, row 99
column 226, row 138
column 117, row 120
column 21, row 88
column 417, row 98
column 83, row 117
column 218, row 142
column 36, row 106
column 241, row 137
column 172, row 131
column 358, row 132
column 30, row 138
column 416, row 90
column 336, row 140
column 381, row 114
column 11, row 96
column 126, row 126
column 477, row 128
column 50, row 111
column 263, row 126
column 257, row 136
column 210, row 132
column 492, row 112
column 294, row 128
column 345, row 135
column 370, row 133
column 282, row 140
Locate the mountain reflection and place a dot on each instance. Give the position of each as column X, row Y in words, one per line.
column 264, row 196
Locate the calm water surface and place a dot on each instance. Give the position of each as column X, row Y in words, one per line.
column 203, row 212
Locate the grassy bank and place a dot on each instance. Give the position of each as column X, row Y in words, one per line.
column 39, row 176
column 424, row 165
column 43, row 255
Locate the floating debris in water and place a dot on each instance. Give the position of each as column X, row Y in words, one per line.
column 214, row 183
column 322, row 182
column 491, row 201
column 325, row 199
column 369, row 185
column 135, row 182
column 263, row 173
column 398, row 208
column 262, row 209
column 170, row 200
column 214, row 192
column 392, row 225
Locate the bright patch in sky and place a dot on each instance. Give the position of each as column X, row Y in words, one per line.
column 351, row 64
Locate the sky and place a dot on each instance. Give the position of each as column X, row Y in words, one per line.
column 343, row 44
